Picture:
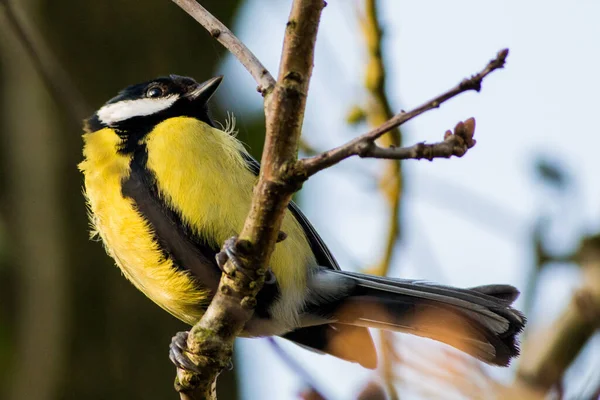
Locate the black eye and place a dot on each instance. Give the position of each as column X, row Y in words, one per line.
column 155, row 91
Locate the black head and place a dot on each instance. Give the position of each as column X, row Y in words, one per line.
column 138, row 108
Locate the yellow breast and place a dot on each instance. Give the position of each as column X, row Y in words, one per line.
column 126, row 235
column 201, row 174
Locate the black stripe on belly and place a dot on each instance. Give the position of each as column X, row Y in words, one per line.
column 177, row 241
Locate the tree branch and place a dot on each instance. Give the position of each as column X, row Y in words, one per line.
column 309, row 166
column 284, row 118
column 223, row 35
column 210, row 341
column 455, row 143
column 549, row 353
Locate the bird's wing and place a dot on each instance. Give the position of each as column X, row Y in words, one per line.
column 320, row 250
column 352, row 343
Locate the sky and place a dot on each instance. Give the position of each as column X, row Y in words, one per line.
column 466, row 221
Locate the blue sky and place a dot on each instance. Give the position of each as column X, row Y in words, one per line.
column 466, row 221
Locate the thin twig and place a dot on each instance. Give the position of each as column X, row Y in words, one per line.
column 455, row 143
column 54, row 76
column 210, row 341
column 223, row 35
column 309, row 166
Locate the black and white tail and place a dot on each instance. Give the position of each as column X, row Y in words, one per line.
column 479, row 321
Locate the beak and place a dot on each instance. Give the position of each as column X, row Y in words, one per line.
column 204, row 91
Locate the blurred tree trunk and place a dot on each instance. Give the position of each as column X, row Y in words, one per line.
column 80, row 330
column 36, row 220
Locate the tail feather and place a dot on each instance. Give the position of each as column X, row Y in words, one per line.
column 505, row 293
column 478, row 321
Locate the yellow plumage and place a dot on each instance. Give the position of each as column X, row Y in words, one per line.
column 165, row 190
column 201, row 174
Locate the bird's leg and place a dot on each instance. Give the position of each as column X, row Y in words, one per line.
column 178, row 346
column 178, row 350
column 228, row 252
column 178, row 356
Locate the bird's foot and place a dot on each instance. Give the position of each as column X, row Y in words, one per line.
column 178, row 353
column 229, row 253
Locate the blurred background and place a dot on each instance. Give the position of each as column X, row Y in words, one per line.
column 522, row 207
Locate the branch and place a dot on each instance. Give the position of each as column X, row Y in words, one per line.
column 284, row 117
column 210, row 341
column 310, row 166
column 223, row 35
column 455, row 143
column 549, row 354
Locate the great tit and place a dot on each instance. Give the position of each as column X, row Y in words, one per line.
column 166, row 187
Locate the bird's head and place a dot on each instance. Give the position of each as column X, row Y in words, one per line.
column 138, row 108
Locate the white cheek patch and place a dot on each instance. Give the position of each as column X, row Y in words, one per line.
column 116, row 112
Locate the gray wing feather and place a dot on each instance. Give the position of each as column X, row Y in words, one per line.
column 319, row 248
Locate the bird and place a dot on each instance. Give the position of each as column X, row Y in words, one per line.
column 166, row 186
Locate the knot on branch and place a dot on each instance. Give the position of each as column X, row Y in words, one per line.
column 365, row 148
column 471, row 83
column 293, row 176
column 265, row 89
column 474, row 82
column 248, row 302
column 290, row 25
column 292, row 88
column 294, row 76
